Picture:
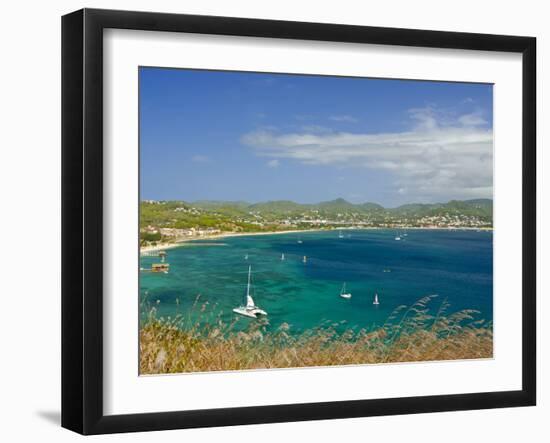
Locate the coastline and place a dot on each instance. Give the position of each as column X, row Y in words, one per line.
column 186, row 241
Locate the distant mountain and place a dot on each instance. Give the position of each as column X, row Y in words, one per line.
column 278, row 206
column 336, row 205
column 475, row 207
column 413, row 207
column 368, row 206
column 280, row 214
column 214, row 204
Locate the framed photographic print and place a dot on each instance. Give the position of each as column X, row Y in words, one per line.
column 269, row 221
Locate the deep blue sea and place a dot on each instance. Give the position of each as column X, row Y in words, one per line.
column 456, row 265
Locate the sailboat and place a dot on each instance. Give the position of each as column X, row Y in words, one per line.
column 282, row 257
column 340, row 235
column 343, row 292
column 246, row 257
column 375, row 302
column 249, row 309
column 304, row 259
column 398, row 237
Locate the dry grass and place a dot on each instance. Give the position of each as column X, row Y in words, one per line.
column 409, row 334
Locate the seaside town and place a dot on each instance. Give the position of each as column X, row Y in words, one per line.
column 175, row 221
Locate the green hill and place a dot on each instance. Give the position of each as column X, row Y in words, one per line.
column 286, row 214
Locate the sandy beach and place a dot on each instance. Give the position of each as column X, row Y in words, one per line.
column 186, row 241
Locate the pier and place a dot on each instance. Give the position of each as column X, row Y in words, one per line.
column 161, row 254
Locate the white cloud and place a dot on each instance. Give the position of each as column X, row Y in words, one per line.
column 473, row 119
column 438, row 158
column 425, row 118
column 273, row 163
column 343, row 118
column 200, row 158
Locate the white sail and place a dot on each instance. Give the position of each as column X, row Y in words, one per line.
column 249, row 309
column 249, row 301
column 375, row 302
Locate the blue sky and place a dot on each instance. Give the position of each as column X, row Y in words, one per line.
column 256, row 137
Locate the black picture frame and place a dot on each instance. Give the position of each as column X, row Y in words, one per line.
column 82, row 219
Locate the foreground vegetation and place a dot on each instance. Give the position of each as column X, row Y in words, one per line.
column 410, row 334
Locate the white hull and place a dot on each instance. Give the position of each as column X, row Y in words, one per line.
column 245, row 312
column 343, row 293
column 249, row 312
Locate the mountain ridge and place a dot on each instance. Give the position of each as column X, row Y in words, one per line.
column 341, row 204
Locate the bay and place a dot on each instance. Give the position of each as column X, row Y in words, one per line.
column 211, row 275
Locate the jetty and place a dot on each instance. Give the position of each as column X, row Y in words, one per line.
column 153, row 253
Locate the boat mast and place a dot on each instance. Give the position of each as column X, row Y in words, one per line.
column 248, row 284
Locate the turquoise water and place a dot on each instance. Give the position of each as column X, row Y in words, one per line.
column 456, row 265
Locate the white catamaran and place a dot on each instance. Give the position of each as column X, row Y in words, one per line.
column 343, row 292
column 249, row 309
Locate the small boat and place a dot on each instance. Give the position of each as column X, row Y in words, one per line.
column 246, row 257
column 299, row 241
column 282, row 257
column 249, row 309
column 304, row 259
column 375, row 302
column 386, row 270
column 340, row 235
column 345, row 294
column 160, row 268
